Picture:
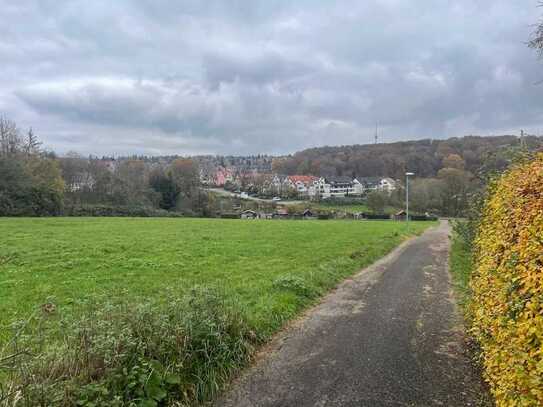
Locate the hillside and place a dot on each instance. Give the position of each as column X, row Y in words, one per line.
column 423, row 157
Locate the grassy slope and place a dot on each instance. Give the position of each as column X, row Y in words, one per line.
column 68, row 259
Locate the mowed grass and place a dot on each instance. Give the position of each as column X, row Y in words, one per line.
column 67, row 260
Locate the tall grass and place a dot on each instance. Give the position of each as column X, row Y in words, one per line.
column 461, row 266
column 120, row 354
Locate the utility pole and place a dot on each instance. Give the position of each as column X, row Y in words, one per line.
column 376, row 125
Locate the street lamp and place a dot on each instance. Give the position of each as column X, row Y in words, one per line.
column 407, row 175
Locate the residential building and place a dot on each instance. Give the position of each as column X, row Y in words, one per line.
column 80, row 182
column 387, row 184
column 303, row 184
column 338, row 186
column 222, row 176
column 383, row 184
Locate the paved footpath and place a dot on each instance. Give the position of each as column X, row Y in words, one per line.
column 391, row 336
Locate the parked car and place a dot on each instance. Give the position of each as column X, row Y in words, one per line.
column 244, row 195
column 276, row 198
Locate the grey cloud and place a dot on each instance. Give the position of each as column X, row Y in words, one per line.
column 266, row 76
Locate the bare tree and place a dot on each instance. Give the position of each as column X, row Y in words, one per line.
column 31, row 143
column 537, row 37
column 10, row 141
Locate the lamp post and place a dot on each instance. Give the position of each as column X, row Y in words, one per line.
column 407, row 175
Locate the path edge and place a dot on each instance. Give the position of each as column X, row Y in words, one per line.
column 274, row 342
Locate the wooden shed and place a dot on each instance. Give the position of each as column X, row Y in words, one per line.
column 248, row 214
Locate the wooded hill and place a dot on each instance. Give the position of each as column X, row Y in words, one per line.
column 423, row 157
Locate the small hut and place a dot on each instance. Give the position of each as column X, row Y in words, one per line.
column 248, row 214
column 307, row 214
column 401, row 215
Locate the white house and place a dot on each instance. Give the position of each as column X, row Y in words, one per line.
column 387, row 185
column 377, row 184
column 328, row 187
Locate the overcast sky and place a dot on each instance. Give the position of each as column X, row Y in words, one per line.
column 247, row 76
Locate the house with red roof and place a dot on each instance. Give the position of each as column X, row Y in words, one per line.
column 223, row 175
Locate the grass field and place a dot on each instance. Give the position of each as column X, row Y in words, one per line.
column 269, row 269
column 67, row 259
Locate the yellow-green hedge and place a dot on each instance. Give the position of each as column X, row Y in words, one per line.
column 507, row 305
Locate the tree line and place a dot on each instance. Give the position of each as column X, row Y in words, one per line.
column 30, row 181
column 36, row 182
column 423, row 157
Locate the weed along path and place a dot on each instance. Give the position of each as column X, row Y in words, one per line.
column 390, row 336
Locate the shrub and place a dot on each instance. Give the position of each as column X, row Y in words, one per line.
column 120, row 354
column 373, row 216
column 507, row 307
column 117, row 210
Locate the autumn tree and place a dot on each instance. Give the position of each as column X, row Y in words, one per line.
column 131, row 184
column 457, row 185
column 185, row 175
column 163, row 183
column 425, row 195
column 47, row 185
column 454, row 161
column 30, row 179
column 376, row 201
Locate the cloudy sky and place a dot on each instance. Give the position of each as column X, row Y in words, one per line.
column 265, row 76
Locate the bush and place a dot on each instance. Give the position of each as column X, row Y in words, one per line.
column 117, row 210
column 507, row 307
column 422, row 218
column 229, row 215
column 344, row 201
column 373, row 216
column 120, row 354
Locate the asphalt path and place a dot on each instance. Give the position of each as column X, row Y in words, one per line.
column 390, row 336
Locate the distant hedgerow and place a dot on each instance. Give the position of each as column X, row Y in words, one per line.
column 507, row 306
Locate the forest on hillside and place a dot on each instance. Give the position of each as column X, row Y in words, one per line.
column 423, row 157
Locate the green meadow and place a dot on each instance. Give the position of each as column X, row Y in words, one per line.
column 183, row 300
column 64, row 260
